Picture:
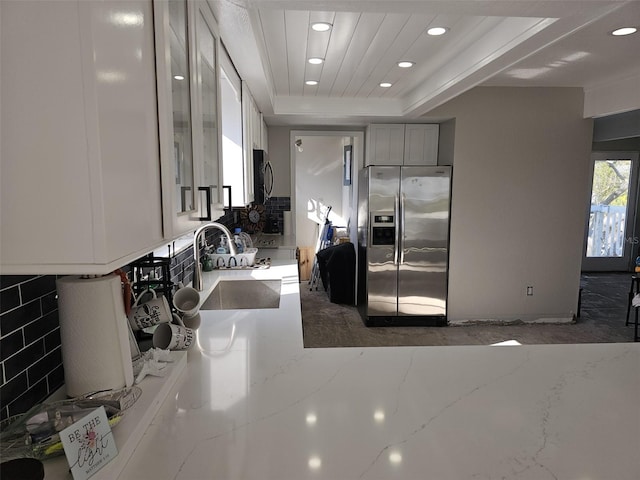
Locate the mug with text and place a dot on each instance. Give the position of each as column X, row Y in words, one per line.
column 169, row 336
column 152, row 312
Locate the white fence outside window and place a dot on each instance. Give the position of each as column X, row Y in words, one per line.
column 606, row 231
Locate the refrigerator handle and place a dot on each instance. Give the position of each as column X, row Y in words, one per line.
column 396, row 209
column 401, row 232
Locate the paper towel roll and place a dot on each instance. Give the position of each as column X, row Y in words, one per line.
column 95, row 338
column 286, row 222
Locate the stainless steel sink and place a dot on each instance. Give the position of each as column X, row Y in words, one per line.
column 243, row 294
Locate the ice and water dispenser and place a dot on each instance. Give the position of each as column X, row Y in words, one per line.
column 383, row 229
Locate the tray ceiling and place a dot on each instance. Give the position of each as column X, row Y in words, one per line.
column 510, row 43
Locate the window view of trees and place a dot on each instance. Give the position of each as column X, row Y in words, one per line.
column 607, row 219
column 611, row 182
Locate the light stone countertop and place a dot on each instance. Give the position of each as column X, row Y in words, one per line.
column 252, row 403
column 273, row 240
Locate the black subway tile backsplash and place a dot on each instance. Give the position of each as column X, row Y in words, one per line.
column 49, row 303
column 35, row 288
column 11, row 390
column 19, row 317
column 56, row 377
column 275, row 207
column 41, row 327
column 9, row 298
column 29, row 329
column 52, row 340
column 11, row 344
column 44, row 365
column 7, row 281
column 24, row 359
column 34, row 394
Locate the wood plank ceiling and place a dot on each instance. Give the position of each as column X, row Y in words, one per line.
column 487, row 42
column 360, row 51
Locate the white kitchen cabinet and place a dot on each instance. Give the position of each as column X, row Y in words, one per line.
column 256, row 126
column 187, row 43
column 265, row 136
column 251, row 138
column 400, row 144
column 254, row 136
column 80, row 177
column 385, row 144
column 421, row 144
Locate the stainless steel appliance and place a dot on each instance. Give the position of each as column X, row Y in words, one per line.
column 403, row 244
column 262, row 177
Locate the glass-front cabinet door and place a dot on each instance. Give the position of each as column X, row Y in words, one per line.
column 207, row 86
column 181, row 107
column 186, row 62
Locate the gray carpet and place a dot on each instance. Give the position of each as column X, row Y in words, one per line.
column 602, row 320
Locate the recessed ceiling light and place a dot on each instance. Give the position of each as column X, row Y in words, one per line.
column 178, row 77
column 624, row 31
column 385, row 84
column 311, row 82
column 127, row 19
column 406, row 64
column 315, row 60
column 435, row 31
column 321, row 26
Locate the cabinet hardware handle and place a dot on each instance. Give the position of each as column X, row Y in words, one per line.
column 207, row 191
column 396, row 240
column 183, row 198
column 268, row 174
column 228, row 188
column 401, row 232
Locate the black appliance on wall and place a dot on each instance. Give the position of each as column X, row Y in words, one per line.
column 262, row 177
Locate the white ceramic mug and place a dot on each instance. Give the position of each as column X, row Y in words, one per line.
column 192, row 322
column 150, row 313
column 177, row 319
column 169, row 336
column 187, row 301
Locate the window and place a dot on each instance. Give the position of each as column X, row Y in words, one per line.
column 232, row 153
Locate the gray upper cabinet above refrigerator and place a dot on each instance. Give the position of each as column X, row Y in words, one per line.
column 80, row 173
column 402, row 144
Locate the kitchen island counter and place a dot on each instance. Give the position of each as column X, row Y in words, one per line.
column 253, row 403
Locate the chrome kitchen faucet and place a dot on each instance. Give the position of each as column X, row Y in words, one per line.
column 197, row 240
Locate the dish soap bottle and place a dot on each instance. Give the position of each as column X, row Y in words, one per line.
column 237, row 240
column 207, row 263
column 222, row 248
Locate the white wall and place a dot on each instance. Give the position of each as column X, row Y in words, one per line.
column 519, row 202
column 318, row 173
column 280, row 154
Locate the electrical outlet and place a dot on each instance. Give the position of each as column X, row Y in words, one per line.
column 529, row 291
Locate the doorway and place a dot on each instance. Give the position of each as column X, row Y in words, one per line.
column 321, row 177
column 611, row 238
column 318, row 180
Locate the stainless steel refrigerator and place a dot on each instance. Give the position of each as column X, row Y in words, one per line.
column 403, row 244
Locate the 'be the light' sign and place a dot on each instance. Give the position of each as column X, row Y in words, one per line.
column 89, row 444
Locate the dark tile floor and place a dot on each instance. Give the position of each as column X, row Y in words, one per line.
column 602, row 320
